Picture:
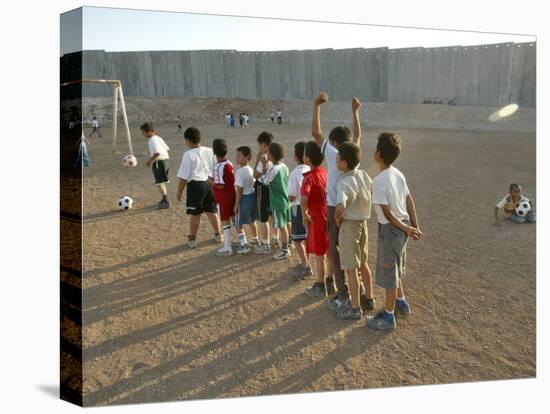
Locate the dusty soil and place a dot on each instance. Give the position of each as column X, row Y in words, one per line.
column 164, row 323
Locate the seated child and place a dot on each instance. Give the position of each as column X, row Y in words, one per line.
column 224, row 192
column 509, row 203
column 353, row 198
column 245, row 201
column 298, row 231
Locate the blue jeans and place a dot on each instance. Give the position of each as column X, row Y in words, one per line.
column 531, row 217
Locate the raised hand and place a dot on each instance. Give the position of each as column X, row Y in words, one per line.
column 321, row 99
column 355, row 104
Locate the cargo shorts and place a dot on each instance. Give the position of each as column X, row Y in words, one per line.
column 390, row 260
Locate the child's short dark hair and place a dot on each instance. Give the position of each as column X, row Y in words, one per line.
column 245, row 150
column 219, row 146
column 277, row 151
column 514, row 186
column 389, row 146
column 350, row 153
column 313, row 152
column 147, row 127
column 339, row 134
column 265, row 138
column 299, row 151
column 193, row 135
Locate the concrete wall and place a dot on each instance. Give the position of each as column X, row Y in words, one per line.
column 485, row 75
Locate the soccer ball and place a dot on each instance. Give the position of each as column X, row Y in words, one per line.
column 129, row 161
column 522, row 208
column 125, row 203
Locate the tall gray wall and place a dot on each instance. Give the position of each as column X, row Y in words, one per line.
column 484, row 75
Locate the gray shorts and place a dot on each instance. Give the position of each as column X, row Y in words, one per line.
column 390, row 260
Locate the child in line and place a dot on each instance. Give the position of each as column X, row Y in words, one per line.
column 298, row 231
column 158, row 161
column 396, row 214
column 195, row 172
column 223, row 184
column 245, row 201
column 353, row 198
column 262, row 191
column 314, row 215
column 329, row 147
column 509, row 203
column 276, row 178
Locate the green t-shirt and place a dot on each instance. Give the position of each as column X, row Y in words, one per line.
column 277, row 180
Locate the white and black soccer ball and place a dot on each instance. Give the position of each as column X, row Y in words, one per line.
column 129, row 161
column 125, row 203
column 522, row 208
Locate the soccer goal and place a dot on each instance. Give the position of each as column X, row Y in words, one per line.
column 117, row 96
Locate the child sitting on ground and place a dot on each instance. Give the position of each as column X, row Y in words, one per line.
column 509, row 204
column 245, row 201
column 224, row 192
column 353, row 198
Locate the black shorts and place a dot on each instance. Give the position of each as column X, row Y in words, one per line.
column 262, row 202
column 160, row 171
column 200, row 198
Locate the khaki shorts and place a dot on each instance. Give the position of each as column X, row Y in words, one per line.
column 353, row 240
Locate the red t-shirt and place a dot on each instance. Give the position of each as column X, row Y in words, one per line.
column 224, row 182
column 314, row 187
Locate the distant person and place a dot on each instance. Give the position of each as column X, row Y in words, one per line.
column 509, row 203
column 245, row 119
column 158, row 161
column 272, row 116
column 232, row 121
column 241, row 119
column 228, row 120
column 95, row 127
column 397, row 222
column 179, row 130
column 279, row 117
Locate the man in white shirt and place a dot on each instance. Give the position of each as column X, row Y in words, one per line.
column 279, row 117
column 196, row 172
column 329, row 148
column 158, row 161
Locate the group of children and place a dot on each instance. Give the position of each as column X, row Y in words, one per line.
column 244, row 119
column 319, row 213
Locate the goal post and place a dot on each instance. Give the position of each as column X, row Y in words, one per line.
column 117, row 96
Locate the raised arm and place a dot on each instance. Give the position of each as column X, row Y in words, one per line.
column 355, row 106
column 316, row 119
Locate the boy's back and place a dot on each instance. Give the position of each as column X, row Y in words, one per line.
column 314, row 185
column 197, row 164
column 390, row 188
column 277, row 179
column 354, row 191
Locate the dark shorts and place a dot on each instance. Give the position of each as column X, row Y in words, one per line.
column 262, row 202
column 200, row 198
column 298, row 231
column 247, row 210
column 160, row 171
column 390, row 260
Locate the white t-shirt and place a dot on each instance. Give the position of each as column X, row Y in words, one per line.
column 157, row 145
column 260, row 166
column 197, row 164
column 295, row 182
column 333, row 173
column 278, row 113
column 244, row 177
column 390, row 188
column 95, row 124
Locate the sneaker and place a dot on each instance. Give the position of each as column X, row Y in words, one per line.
column 244, row 249
column 366, row 303
column 331, row 288
column 253, row 242
column 336, row 301
column 275, row 242
column 301, row 273
column 402, row 308
column 281, row 254
column 191, row 244
column 262, row 249
column 221, row 252
column 380, row 322
column 218, row 238
column 346, row 312
column 316, row 291
column 164, row 203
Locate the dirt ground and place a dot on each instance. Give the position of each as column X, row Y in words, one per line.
column 161, row 322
